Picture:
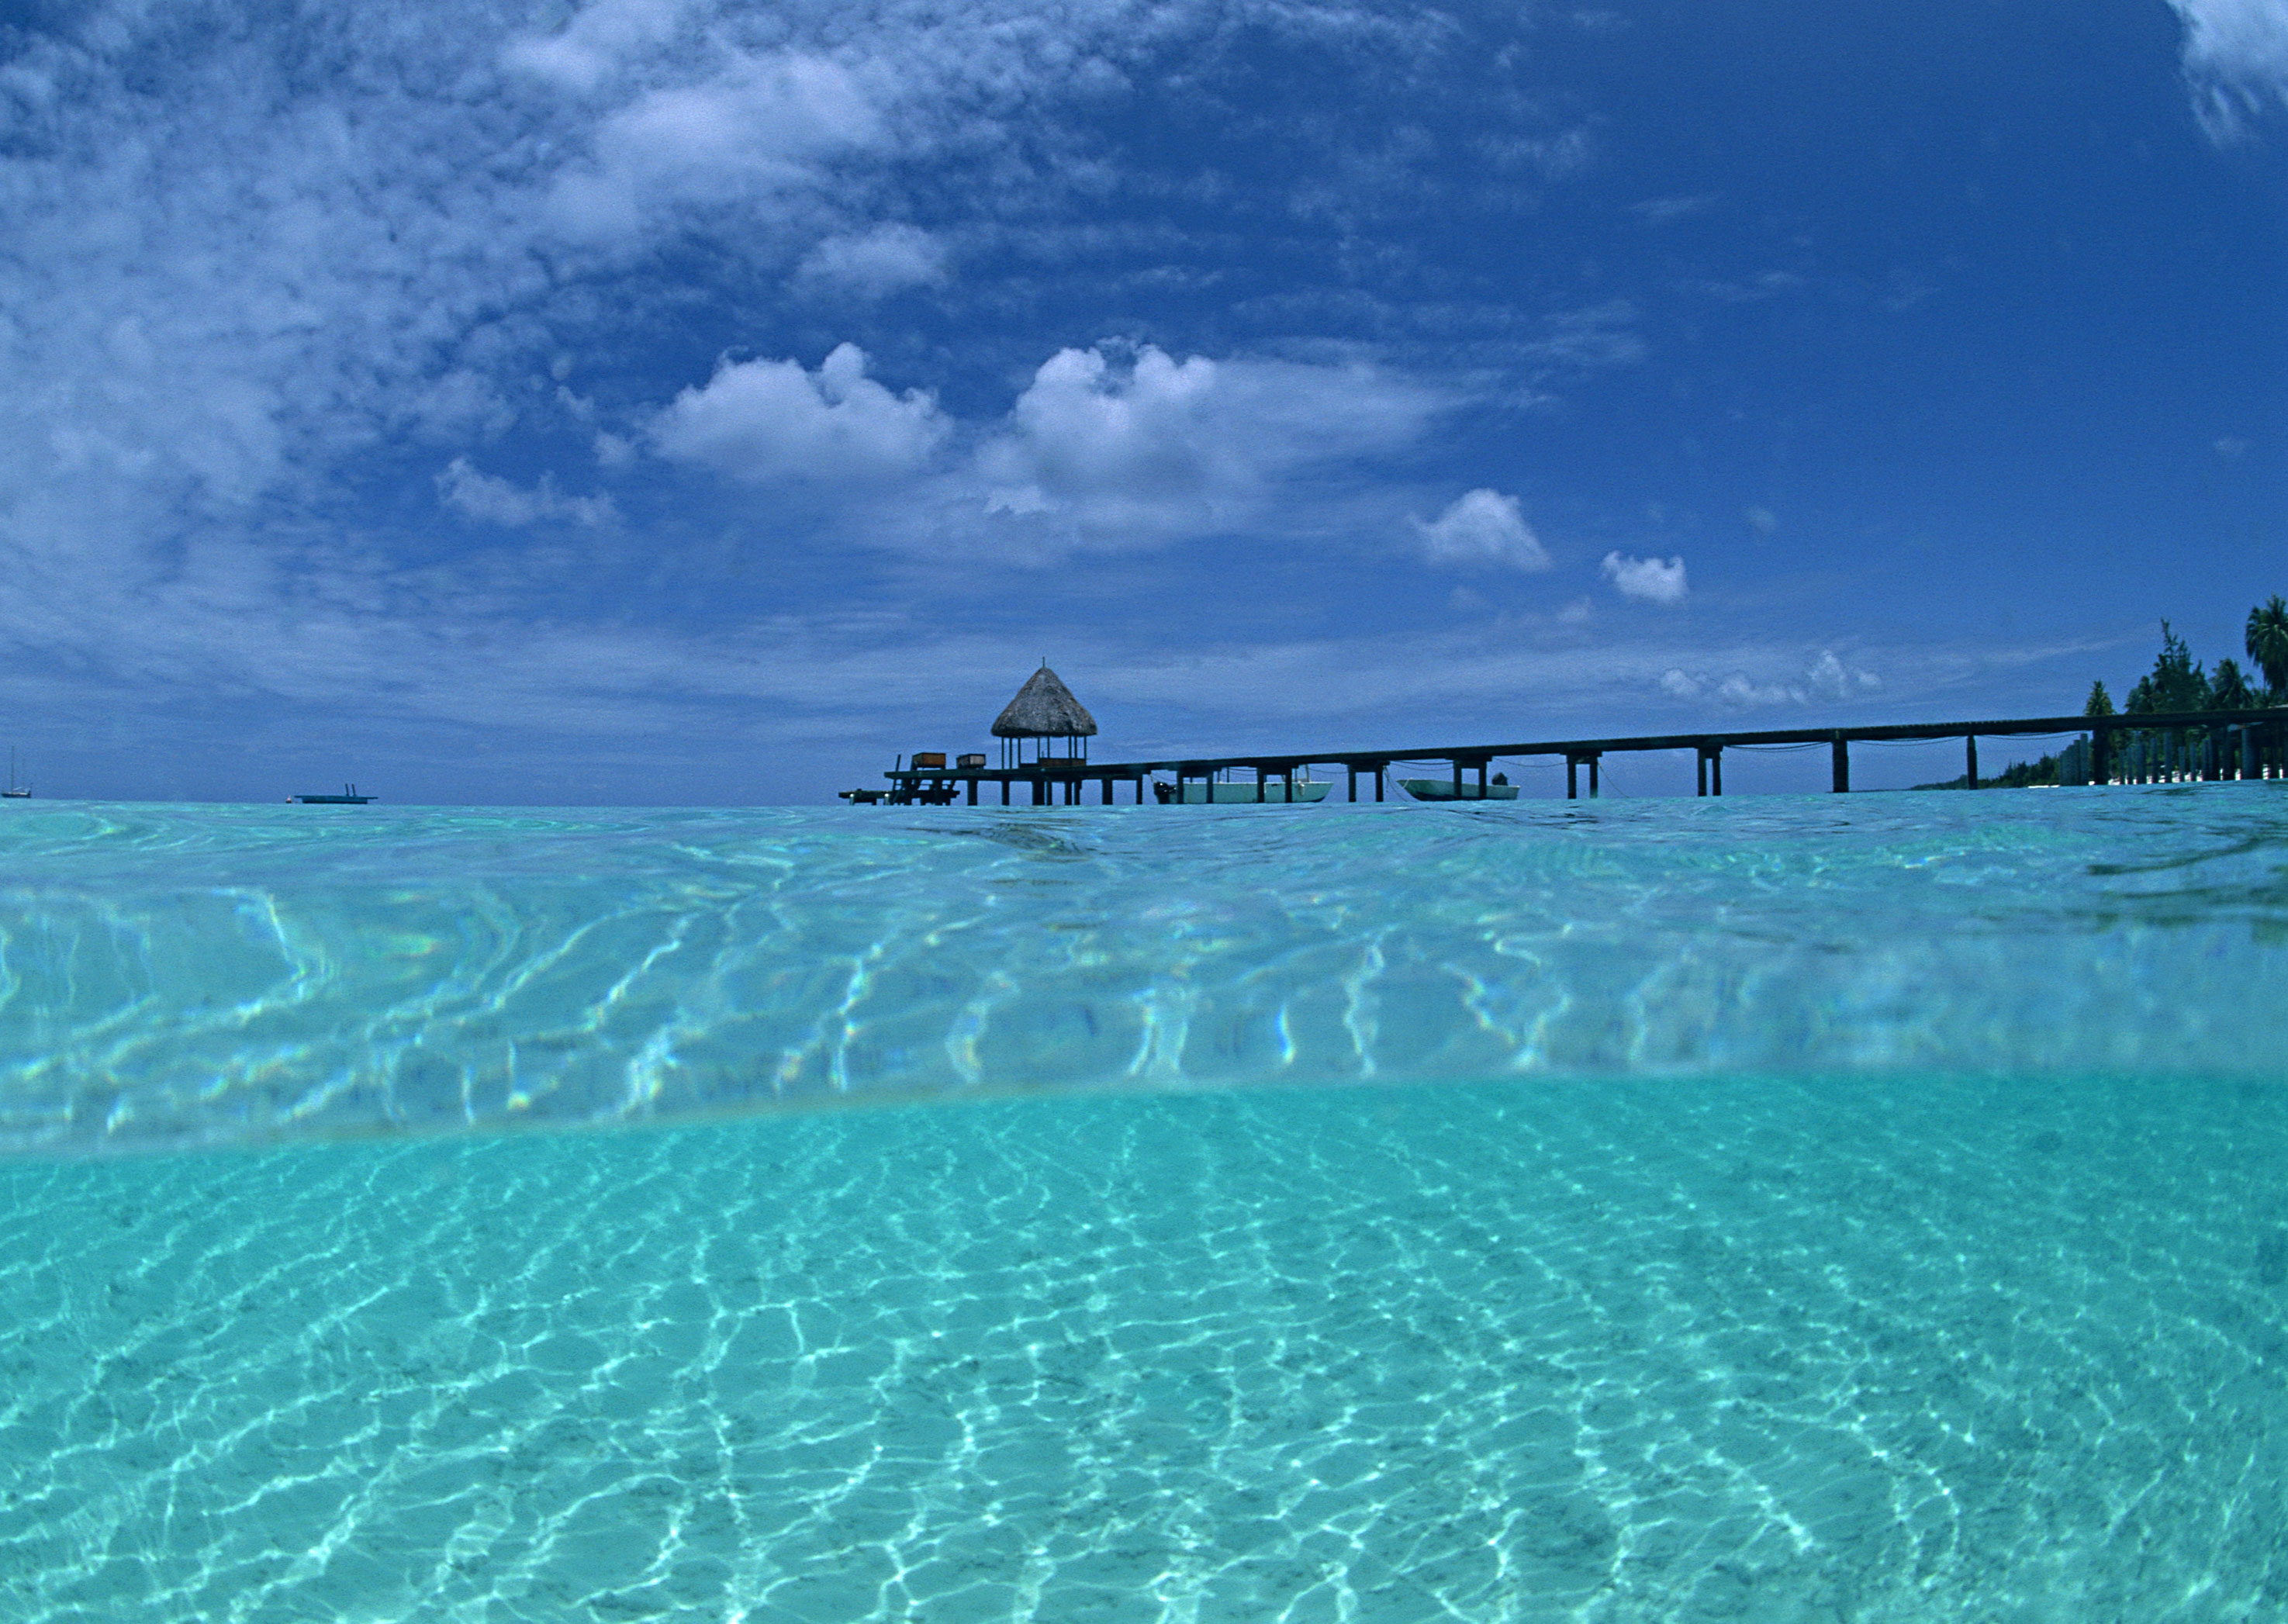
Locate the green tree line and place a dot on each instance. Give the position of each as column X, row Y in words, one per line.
column 2177, row 683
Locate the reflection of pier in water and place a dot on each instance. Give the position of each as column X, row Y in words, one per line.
column 2212, row 745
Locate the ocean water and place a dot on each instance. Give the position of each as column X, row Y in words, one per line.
column 1864, row 1207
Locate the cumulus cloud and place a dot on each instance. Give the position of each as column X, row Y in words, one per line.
column 1119, row 447
column 500, row 502
column 2235, row 61
column 763, row 420
column 1482, row 527
column 1648, row 579
column 1826, row 676
column 873, row 265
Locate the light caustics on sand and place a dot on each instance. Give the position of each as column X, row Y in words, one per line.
column 1912, row 1348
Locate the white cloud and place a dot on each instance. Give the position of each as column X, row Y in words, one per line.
column 876, row 263
column 2235, row 61
column 763, row 420
column 1741, row 692
column 755, row 132
column 1119, row 448
column 496, row 500
column 1482, row 527
column 1649, row 579
column 1826, row 676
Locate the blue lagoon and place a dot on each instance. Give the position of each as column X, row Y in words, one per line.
column 1851, row 1207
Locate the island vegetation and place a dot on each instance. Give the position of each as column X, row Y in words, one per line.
column 2177, row 683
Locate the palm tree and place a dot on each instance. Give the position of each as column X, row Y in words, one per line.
column 2267, row 643
column 2228, row 689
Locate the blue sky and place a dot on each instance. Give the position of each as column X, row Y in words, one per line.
column 652, row 401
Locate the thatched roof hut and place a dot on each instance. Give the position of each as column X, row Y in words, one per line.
column 1044, row 709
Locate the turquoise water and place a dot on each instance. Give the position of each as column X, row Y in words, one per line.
column 1864, row 1207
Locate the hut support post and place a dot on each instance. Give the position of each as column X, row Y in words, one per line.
column 1970, row 755
column 1572, row 777
column 1481, row 780
column 1593, row 760
column 2248, row 767
column 1378, row 779
column 2100, row 767
column 1258, row 786
column 1700, row 761
column 1842, row 749
column 972, row 792
column 1353, row 769
column 1290, row 777
column 1458, row 777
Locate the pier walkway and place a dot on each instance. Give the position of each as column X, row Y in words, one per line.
column 2207, row 744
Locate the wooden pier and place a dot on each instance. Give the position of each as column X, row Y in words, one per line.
column 2196, row 744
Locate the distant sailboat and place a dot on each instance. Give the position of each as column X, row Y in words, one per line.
column 14, row 792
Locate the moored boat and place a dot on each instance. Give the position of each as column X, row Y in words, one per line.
column 1443, row 789
column 1274, row 793
column 349, row 796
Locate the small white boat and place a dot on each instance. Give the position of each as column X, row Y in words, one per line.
column 15, row 791
column 1274, row 793
column 1442, row 789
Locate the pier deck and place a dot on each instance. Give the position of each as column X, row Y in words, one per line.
column 2233, row 744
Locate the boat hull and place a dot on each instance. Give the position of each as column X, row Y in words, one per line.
column 1442, row 789
column 1274, row 793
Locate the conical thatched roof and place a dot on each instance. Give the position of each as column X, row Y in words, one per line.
column 1045, row 708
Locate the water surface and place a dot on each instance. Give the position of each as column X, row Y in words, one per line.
column 1863, row 1208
